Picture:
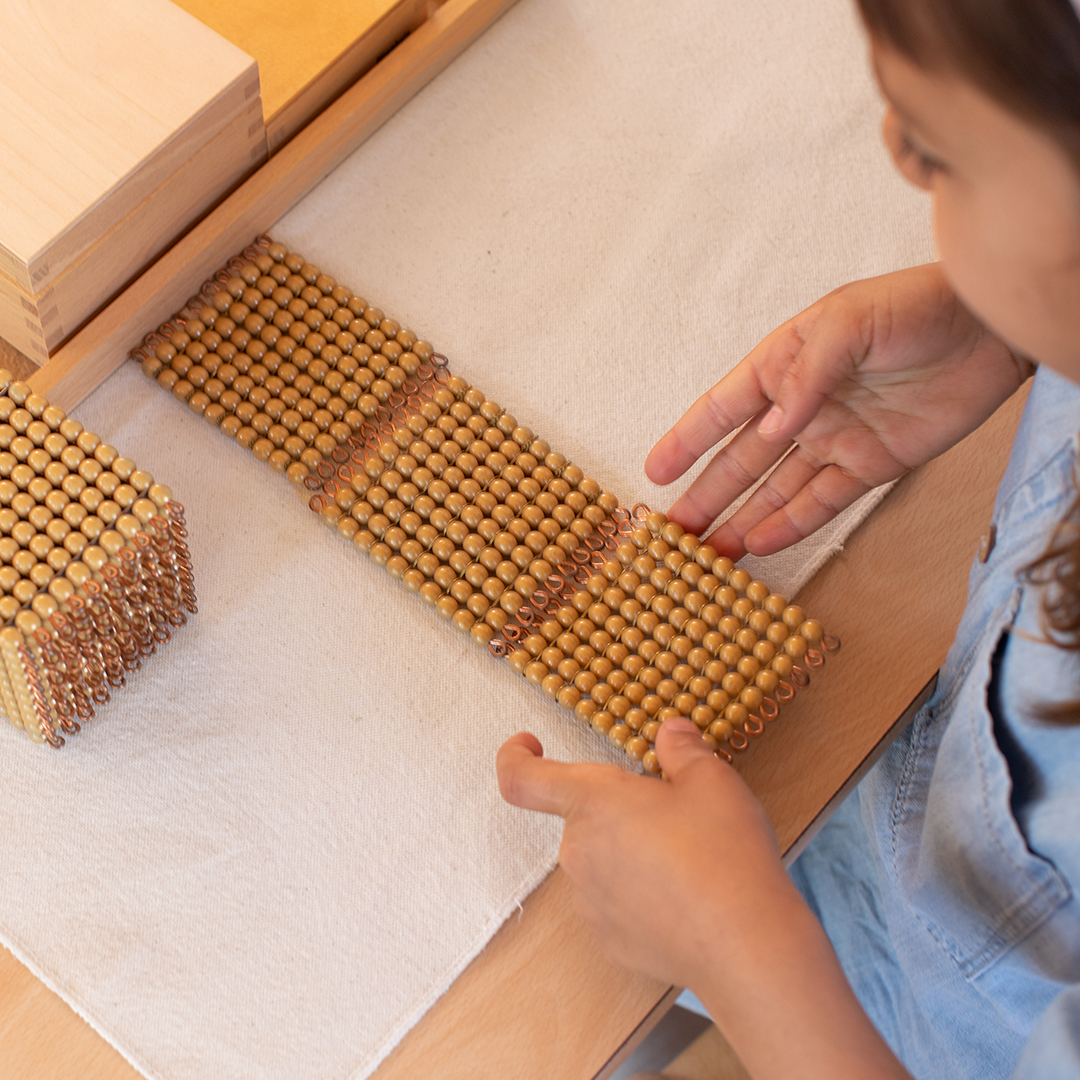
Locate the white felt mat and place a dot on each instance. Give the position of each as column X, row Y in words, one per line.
column 281, row 842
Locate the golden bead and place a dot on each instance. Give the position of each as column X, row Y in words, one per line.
column 795, row 646
column 793, row 616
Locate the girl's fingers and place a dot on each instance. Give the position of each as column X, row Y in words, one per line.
column 835, row 346
column 736, row 467
column 738, row 397
column 717, row 413
column 797, row 499
column 529, row 780
column 680, row 747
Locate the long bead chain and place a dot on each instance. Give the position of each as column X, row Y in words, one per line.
column 615, row 612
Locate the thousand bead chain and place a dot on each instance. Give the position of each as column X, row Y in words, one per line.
column 616, row 613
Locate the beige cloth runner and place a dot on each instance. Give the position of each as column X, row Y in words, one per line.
column 281, row 842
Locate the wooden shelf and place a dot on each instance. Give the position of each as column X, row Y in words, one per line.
column 308, row 53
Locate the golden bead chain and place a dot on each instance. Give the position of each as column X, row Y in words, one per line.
column 94, row 566
column 616, row 613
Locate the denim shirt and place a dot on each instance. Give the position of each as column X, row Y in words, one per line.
column 947, row 885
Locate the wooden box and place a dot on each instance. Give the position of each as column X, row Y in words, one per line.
column 119, row 125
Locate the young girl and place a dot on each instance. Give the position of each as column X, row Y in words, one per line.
column 931, row 928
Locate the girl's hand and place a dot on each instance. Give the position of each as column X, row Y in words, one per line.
column 863, row 386
column 654, row 863
column 682, row 879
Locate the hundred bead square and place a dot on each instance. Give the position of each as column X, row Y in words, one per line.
column 617, row 614
column 94, row 566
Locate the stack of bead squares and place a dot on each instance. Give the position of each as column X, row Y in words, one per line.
column 94, row 566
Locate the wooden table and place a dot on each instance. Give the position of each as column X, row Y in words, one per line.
column 541, row 1001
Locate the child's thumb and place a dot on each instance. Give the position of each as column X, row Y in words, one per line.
column 680, row 747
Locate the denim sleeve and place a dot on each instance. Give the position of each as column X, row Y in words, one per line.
column 1053, row 1048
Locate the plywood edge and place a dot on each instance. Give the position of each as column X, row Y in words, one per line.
column 101, row 347
column 90, row 282
column 345, row 69
column 145, row 177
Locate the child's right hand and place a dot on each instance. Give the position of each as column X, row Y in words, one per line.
column 871, row 381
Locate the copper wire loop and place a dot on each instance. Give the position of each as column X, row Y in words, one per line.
column 830, row 644
column 721, row 752
column 769, row 709
column 498, row 647
column 318, row 503
column 585, row 556
column 640, row 512
column 757, row 726
column 325, row 470
column 513, row 633
column 440, row 361
column 799, row 677
column 330, row 487
column 742, row 743
column 312, row 482
column 814, row 658
column 339, row 454
column 524, row 616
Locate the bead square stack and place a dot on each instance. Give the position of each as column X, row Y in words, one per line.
column 615, row 612
column 94, row 566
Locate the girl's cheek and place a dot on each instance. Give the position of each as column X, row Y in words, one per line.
column 961, row 247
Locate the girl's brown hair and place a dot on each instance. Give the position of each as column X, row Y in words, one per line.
column 1025, row 54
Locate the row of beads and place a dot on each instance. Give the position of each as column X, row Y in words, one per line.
column 68, row 502
column 501, row 535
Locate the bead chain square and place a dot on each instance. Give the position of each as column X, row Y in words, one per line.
column 94, row 566
column 616, row 613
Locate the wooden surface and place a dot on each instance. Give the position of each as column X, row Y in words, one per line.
column 308, row 53
column 39, row 324
column 95, row 352
column 708, row 1057
column 540, row 1002
column 99, row 105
